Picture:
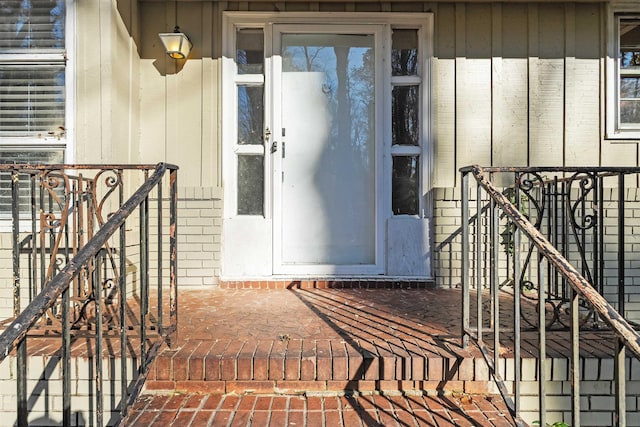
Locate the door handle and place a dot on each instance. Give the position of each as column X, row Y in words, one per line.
column 274, row 147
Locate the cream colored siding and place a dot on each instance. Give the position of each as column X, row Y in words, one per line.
column 509, row 77
column 546, row 112
column 582, row 134
column 444, row 105
column 107, row 91
column 512, row 83
column 473, row 83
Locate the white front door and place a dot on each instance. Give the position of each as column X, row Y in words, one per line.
column 327, row 152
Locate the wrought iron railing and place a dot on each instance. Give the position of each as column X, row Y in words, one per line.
column 94, row 265
column 553, row 241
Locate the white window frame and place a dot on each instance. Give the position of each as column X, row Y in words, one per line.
column 614, row 130
column 66, row 139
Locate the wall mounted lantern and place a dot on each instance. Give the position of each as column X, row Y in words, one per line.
column 176, row 44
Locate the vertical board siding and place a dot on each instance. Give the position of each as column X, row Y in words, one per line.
column 444, row 105
column 473, row 84
column 583, row 86
column 89, row 103
column 510, row 94
column 546, row 97
column 210, row 92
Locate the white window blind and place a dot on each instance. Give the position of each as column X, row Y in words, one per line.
column 32, row 68
column 32, row 24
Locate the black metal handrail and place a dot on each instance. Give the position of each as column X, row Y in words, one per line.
column 582, row 292
column 85, row 262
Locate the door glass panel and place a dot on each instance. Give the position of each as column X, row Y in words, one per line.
column 404, row 52
column 250, row 185
column 404, row 198
column 250, row 51
column 250, row 114
column 405, row 128
column 328, row 192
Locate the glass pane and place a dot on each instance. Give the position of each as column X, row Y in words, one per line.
column 630, row 87
column 630, row 59
column 404, row 52
column 250, row 51
column 32, row 100
column 630, row 112
column 329, row 188
column 405, row 129
column 32, row 24
column 404, row 197
column 250, row 185
column 250, row 114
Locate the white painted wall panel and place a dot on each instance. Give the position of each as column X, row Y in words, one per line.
column 409, row 247
column 240, row 259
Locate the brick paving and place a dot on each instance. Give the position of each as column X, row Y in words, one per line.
column 300, row 348
column 329, row 411
column 318, row 340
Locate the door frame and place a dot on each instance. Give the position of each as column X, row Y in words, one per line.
column 264, row 225
column 377, row 30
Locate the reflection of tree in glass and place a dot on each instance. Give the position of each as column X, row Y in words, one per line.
column 362, row 100
column 250, row 114
column 404, row 62
column 404, row 111
column 404, row 199
column 348, row 84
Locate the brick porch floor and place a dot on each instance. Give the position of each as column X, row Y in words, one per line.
column 317, row 340
column 236, row 345
column 319, row 357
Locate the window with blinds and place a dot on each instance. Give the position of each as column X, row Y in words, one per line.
column 32, row 69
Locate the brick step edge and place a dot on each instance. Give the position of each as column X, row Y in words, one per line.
column 327, row 284
column 321, row 387
column 171, row 367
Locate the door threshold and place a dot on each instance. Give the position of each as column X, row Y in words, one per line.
column 329, row 283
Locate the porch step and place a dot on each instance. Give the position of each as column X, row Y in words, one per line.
column 336, row 411
column 299, row 366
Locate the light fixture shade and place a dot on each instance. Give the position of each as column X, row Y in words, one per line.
column 176, row 44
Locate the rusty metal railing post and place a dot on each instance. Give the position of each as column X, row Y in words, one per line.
column 122, row 302
column 144, row 276
column 66, row 358
column 21, row 356
column 493, row 278
column 464, row 188
column 542, row 341
column 160, row 256
column 619, row 368
column 173, row 253
column 516, row 304
column 478, row 257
